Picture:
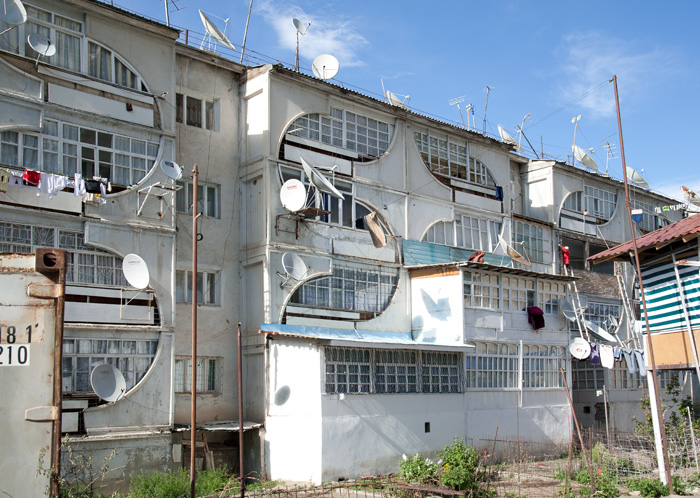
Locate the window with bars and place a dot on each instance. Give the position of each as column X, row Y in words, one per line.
column 605, row 315
column 85, row 265
column 621, row 378
column 586, row 376
column 345, row 129
column 67, row 149
column 541, row 366
column 207, row 199
column 80, row 356
column 197, row 112
column 465, row 231
column 599, row 202
column 207, row 287
column 493, row 366
column 208, row 375
column 350, row 289
column 548, row 295
column 481, row 290
column 355, row 370
column 518, row 293
column 531, row 237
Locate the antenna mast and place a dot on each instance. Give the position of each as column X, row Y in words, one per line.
column 456, row 102
column 488, row 89
column 167, row 10
column 245, row 33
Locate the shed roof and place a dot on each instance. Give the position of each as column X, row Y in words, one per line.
column 684, row 230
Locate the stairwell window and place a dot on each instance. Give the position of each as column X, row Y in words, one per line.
column 207, row 287
column 208, row 375
column 196, row 111
column 207, row 199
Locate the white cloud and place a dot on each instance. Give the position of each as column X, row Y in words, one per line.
column 329, row 33
column 591, row 59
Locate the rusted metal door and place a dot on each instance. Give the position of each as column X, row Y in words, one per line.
column 31, row 329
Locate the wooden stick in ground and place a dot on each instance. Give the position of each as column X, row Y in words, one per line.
column 578, row 430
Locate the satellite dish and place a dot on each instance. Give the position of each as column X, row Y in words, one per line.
column 41, row 45
column 13, row 13
column 171, row 169
column 319, row 181
column 301, row 29
column 506, row 137
column 293, row 195
column 136, row 271
column 636, row 178
column 513, row 254
column 691, row 196
column 107, row 382
column 395, row 101
column 325, row 66
column 567, row 309
column 583, row 157
column 599, row 332
column 579, row 348
column 294, row 268
column 214, row 32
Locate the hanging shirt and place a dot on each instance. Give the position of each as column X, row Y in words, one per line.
column 639, row 358
column 630, row 360
column 535, row 316
column 607, row 358
column 51, row 184
column 32, row 177
column 79, row 185
column 594, row 358
column 16, row 179
column 565, row 255
column 93, row 186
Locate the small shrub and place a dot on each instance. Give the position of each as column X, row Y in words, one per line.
column 417, row 469
column 655, row 488
column 177, row 484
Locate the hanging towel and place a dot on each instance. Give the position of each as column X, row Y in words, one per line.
column 639, row 357
column 375, row 230
column 79, row 186
column 630, row 360
column 499, row 193
column 92, row 186
column 103, row 189
column 535, row 316
column 594, row 358
column 617, row 353
column 32, row 177
column 607, row 358
column 4, row 179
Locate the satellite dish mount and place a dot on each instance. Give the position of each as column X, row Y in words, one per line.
column 301, row 31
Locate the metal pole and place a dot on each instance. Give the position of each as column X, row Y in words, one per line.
column 578, row 430
column 688, row 326
column 488, row 89
column 692, row 435
column 240, row 411
column 652, row 363
column 193, row 408
column 245, row 34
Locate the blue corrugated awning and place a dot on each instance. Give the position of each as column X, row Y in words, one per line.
column 425, row 253
column 367, row 337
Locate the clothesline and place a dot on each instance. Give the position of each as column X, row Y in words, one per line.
column 91, row 191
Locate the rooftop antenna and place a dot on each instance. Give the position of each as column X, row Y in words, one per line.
column 488, row 89
column 609, row 153
column 213, row 32
column 13, row 13
column 456, row 101
column 245, row 33
column 575, row 120
column 520, row 128
column 301, row 31
column 167, row 10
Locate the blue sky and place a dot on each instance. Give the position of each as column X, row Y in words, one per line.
column 551, row 60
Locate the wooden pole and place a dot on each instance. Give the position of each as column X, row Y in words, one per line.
column 193, row 407
column 578, row 430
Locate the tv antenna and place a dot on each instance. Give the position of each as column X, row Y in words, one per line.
column 301, row 31
column 325, row 66
column 456, row 101
column 609, row 153
column 214, row 33
column 575, row 120
column 13, row 13
column 167, row 10
column 488, row 90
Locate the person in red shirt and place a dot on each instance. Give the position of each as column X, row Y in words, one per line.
column 565, row 257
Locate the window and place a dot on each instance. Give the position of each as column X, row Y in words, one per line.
column 650, row 220
column 531, row 237
column 208, row 375
column 541, row 366
column 466, row 232
column 585, row 376
column 350, row 288
column 493, row 366
column 207, row 199
column 396, row 371
column 599, row 203
column 605, row 315
column 207, row 287
column 573, row 202
column 86, row 265
column 347, row 370
column 348, row 130
column 548, row 295
column 194, row 111
column 80, row 356
column 355, row 370
column 518, row 293
column 68, row 149
column 481, row 290
column 623, row 379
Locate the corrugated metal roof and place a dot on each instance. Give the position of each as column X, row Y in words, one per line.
column 656, row 239
column 352, row 335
